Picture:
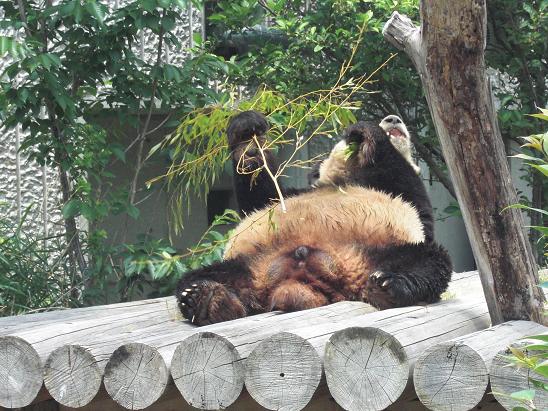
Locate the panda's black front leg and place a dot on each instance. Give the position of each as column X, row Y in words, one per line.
column 220, row 292
column 407, row 275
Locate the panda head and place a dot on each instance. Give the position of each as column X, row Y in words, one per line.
column 357, row 147
column 396, row 130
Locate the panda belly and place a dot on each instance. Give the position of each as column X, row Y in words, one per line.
column 328, row 216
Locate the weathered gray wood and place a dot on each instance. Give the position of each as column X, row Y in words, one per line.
column 136, row 376
column 453, row 375
column 161, row 329
column 283, row 372
column 72, row 376
column 20, row 372
column 9, row 325
column 366, row 368
column 506, row 380
column 207, row 370
column 448, row 52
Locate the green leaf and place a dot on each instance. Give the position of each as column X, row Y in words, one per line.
column 542, row 369
column 541, row 337
column 95, row 10
column 78, row 12
column 527, row 157
column 12, row 47
column 539, row 228
column 542, row 168
column 71, row 208
column 133, row 211
column 318, row 48
column 119, row 153
column 523, row 395
column 522, row 206
column 541, row 116
column 181, row 3
column 168, row 23
column 148, row 5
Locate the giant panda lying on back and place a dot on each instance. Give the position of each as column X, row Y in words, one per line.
column 364, row 234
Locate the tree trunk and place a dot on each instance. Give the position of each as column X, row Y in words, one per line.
column 448, row 52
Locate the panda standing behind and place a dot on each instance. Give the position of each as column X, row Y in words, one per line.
column 365, row 233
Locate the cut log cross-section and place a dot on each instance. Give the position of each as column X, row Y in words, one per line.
column 136, row 376
column 207, row 370
column 366, row 368
column 448, row 52
column 283, row 372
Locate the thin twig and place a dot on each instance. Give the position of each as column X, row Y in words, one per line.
column 274, row 179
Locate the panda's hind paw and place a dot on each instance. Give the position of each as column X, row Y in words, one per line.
column 388, row 290
column 208, row 302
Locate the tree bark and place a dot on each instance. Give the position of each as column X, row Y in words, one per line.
column 448, row 52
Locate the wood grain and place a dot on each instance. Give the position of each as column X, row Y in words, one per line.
column 366, row 368
column 283, row 372
column 136, row 376
column 208, row 371
column 20, row 372
column 72, row 376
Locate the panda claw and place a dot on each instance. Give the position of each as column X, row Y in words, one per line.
column 385, row 284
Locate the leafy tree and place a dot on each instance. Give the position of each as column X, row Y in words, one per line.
column 74, row 65
column 302, row 50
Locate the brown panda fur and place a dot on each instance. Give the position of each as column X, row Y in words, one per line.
column 364, row 234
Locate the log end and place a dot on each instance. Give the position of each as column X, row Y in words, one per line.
column 283, row 372
column 20, row 372
column 135, row 376
column 208, row 371
column 72, row 376
column 366, row 368
column 450, row 377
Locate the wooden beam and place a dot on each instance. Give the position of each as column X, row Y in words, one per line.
column 448, row 52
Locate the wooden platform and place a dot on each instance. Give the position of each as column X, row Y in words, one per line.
column 143, row 355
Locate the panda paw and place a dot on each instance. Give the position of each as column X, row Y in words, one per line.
column 208, row 302
column 388, row 290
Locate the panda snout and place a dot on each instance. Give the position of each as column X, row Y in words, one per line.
column 301, row 253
